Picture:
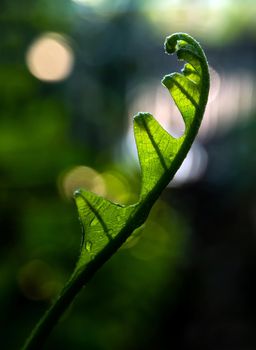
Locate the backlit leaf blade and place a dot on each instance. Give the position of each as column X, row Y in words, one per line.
column 156, row 150
column 185, row 94
column 190, row 72
column 190, row 87
column 107, row 225
column 160, row 154
column 101, row 220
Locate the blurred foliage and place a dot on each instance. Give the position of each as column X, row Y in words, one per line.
column 161, row 288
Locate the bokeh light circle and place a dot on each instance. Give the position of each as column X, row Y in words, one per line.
column 50, row 57
column 81, row 177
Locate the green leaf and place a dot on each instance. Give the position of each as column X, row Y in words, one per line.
column 101, row 222
column 160, row 154
column 156, row 150
column 107, row 225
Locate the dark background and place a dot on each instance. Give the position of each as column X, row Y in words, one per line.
column 188, row 280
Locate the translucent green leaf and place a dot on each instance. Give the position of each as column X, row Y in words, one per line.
column 107, row 225
column 101, row 220
column 156, row 150
column 160, row 154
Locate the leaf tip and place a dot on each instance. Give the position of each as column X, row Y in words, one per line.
column 170, row 44
column 167, row 81
column 77, row 193
column 140, row 117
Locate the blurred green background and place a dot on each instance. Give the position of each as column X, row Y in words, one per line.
column 72, row 75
